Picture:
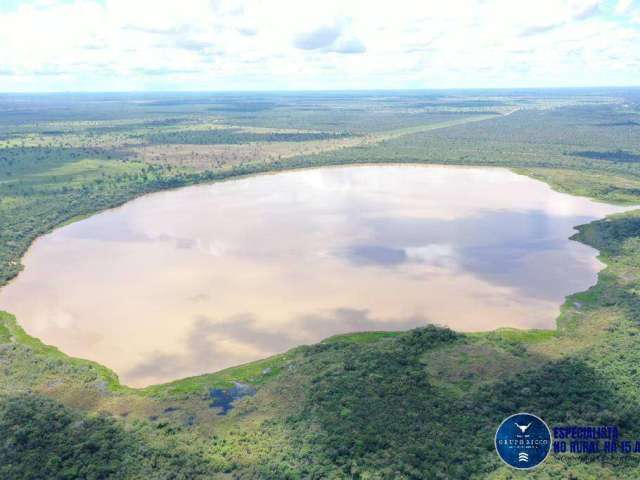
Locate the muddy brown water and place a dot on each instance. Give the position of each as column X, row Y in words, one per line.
column 194, row 280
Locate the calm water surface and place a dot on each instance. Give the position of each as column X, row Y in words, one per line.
column 190, row 281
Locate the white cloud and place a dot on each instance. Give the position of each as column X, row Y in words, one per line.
column 334, row 37
column 259, row 44
column 623, row 6
column 321, row 37
column 349, row 45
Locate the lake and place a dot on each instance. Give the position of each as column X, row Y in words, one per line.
column 194, row 280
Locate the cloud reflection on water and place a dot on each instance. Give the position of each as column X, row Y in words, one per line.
column 202, row 278
column 212, row 343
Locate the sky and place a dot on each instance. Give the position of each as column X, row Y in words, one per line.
column 212, row 45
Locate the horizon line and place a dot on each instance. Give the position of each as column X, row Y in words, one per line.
column 337, row 90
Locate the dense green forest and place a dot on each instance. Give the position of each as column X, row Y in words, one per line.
column 421, row 404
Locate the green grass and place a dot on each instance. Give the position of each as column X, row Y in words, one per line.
column 255, row 373
column 515, row 335
column 360, row 337
column 11, row 332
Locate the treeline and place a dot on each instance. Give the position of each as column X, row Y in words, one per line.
column 42, row 439
column 234, row 136
column 612, row 156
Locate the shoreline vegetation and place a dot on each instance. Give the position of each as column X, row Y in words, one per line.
column 225, row 377
column 371, row 405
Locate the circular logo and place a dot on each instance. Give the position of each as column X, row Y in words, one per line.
column 523, row 441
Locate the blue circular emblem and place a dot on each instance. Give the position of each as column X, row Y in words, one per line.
column 523, row 441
